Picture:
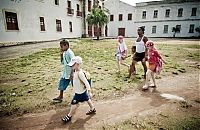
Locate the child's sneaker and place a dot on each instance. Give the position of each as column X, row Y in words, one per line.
column 66, row 119
column 90, row 112
column 145, row 87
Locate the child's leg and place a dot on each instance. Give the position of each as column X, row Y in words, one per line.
column 63, row 84
column 68, row 117
column 145, row 67
column 90, row 104
column 61, row 94
column 118, row 64
column 153, row 78
column 92, row 108
column 72, row 110
column 148, row 76
column 122, row 63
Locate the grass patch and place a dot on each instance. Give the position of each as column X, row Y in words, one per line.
column 28, row 84
column 164, row 123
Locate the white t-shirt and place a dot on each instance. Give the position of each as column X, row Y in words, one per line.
column 79, row 87
column 122, row 48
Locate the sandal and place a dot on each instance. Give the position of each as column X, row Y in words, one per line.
column 66, row 119
column 90, row 112
column 57, row 99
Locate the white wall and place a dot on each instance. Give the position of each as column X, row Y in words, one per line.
column 117, row 7
column 171, row 21
column 28, row 13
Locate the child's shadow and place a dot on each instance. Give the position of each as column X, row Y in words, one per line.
column 79, row 123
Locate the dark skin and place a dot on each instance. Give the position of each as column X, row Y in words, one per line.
column 62, row 49
column 132, row 67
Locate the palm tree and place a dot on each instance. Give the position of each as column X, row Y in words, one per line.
column 98, row 18
column 84, row 21
column 175, row 30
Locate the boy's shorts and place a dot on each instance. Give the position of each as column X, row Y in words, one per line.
column 63, row 84
column 80, row 98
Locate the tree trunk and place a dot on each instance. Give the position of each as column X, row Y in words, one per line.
column 174, row 34
column 84, row 19
column 97, row 32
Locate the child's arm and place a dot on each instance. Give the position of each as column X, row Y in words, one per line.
column 160, row 57
column 61, row 56
column 84, row 80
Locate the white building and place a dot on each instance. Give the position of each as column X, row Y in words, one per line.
column 121, row 18
column 43, row 20
column 160, row 17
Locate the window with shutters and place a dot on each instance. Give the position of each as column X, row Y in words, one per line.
column 165, row 29
column 191, row 30
column 11, row 21
column 153, row 29
column 42, row 25
column 155, row 14
column 111, row 17
column 194, row 11
column 120, row 17
column 58, row 25
column 56, row 2
column 129, row 16
column 167, row 12
column 70, row 27
column 180, row 12
column 144, row 14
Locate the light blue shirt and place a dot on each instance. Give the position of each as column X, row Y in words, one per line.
column 67, row 56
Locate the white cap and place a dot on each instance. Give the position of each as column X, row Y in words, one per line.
column 76, row 59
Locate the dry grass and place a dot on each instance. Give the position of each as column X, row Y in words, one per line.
column 28, row 84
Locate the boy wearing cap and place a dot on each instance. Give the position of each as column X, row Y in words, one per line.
column 81, row 88
column 121, row 54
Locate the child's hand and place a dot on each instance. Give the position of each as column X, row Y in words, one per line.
column 61, row 51
column 90, row 94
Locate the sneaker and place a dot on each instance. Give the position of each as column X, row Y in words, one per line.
column 145, row 87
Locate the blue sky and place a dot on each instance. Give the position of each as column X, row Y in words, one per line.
column 132, row 2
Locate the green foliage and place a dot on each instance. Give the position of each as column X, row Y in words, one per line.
column 97, row 18
column 175, row 30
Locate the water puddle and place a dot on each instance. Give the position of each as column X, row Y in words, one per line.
column 170, row 96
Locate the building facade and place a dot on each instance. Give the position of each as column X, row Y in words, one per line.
column 160, row 17
column 121, row 18
column 43, row 20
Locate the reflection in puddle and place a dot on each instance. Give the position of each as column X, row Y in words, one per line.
column 170, row 96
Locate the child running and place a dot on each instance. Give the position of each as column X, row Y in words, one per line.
column 121, row 54
column 153, row 60
column 81, row 89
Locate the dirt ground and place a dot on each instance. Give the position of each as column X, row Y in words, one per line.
column 140, row 104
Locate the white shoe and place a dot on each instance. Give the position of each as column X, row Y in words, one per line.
column 145, row 87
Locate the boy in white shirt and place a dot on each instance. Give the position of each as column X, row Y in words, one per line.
column 81, row 89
